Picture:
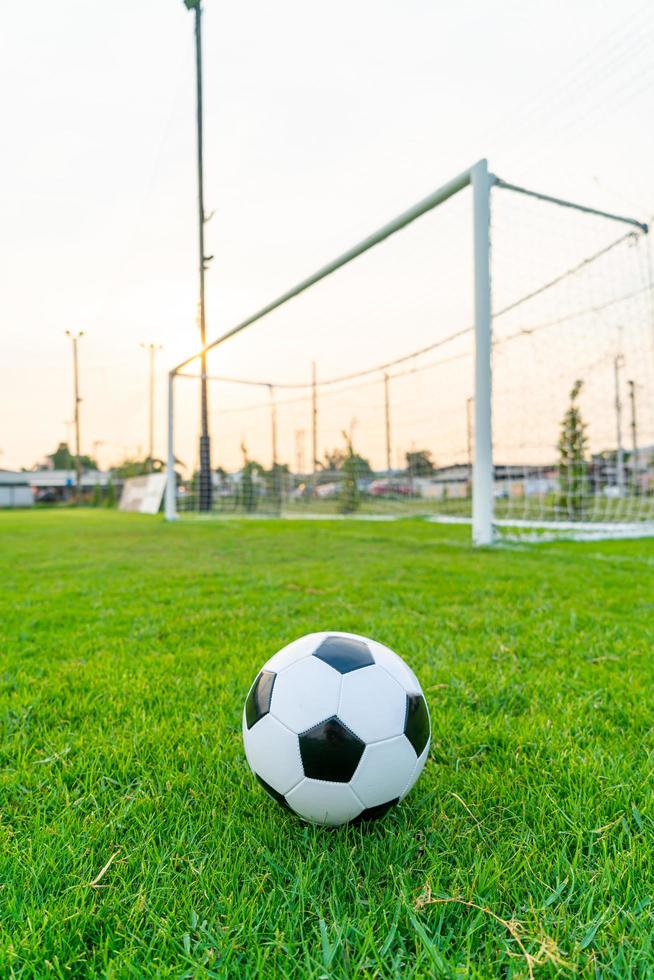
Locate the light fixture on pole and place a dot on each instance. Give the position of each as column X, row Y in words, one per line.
column 78, row 466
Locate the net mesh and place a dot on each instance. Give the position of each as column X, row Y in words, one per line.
column 572, row 313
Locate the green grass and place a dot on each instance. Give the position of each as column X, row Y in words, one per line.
column 128, row 647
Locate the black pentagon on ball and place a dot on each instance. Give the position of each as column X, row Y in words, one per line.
column 375, row 812
column 344, row 653
column 258, row 700
column 273, row 792
column 416, row 723
column 330, row 751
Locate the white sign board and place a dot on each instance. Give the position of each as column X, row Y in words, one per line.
column 143, row 494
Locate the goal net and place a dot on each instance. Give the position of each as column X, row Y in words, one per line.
column 573, row 370
column 367, row 390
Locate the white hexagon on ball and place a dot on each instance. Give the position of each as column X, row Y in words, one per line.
column 328, row 803
column 419, row 766
column 292, row 652
column 395, row 666
column 372, row 705
column 384, row 771
column 273, row 753
column 305, row 693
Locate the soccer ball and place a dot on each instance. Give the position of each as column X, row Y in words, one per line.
column 336, row 728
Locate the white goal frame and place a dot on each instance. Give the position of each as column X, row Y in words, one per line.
column 481, row 182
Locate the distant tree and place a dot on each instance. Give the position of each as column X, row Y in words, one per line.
column 338, row 458
column 138, row 467
column 350, row 497
column 275, row 478
column 110, row 495
column 63, row 459
column 572, row 447
column 419, row 463
column 332, row 460
column 247, row 497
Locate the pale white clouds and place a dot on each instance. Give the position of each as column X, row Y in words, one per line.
column 322, row 121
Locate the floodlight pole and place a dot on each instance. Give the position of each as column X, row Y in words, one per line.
column 78, row 464
column 482, row 481
column 205, row 444
column 275, row 474
column 273, row 424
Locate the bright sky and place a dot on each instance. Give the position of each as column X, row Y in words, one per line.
column 321, row 123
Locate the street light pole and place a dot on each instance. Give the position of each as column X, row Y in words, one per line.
column 152, row 350
column 276, row 478
column 78, row 465
column 205, row 445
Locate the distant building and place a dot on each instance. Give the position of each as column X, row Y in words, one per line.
column 50, row 486
column 15, row 489
column 452, row 482
column 446, row 483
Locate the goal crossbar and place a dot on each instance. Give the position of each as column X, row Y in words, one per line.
column 407, row 217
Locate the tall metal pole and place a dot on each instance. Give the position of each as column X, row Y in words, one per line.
column 96, row 443
column 618, row 361
column 205, row 445
column 634, row 436
column 482, row 483
column 78, row 462
column 276, row 476
column 273, row 425
column 314, row 418
column 152, row 350
column 387, row 419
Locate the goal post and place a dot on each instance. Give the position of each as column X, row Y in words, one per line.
column 496, row 326
column 482, row 474
column 477, row 176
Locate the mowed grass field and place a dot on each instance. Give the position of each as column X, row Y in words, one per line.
column 134, row 842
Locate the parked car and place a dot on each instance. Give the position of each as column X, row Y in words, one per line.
column 327, row 491
column 389, row 488
column 46, row 496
